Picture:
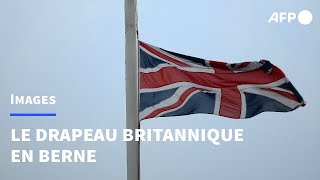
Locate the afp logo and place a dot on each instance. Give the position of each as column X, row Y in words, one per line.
column 304, row 17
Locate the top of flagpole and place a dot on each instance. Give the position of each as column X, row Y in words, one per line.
column 131, row 17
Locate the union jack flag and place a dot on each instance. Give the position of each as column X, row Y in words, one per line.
column 173, row 84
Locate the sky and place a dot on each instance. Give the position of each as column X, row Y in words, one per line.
column 74, row 50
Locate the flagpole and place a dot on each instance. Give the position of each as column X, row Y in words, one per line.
column 132, row 87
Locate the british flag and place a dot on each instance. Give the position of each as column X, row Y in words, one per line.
column 173, row 84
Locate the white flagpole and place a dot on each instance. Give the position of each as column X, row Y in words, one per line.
column 132, row 87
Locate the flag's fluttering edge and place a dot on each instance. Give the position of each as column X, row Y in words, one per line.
column 173, row 84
